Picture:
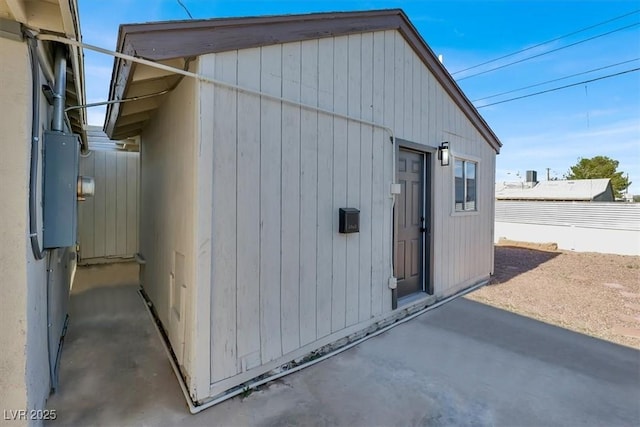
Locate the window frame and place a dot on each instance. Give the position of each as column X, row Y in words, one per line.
column 465, row 162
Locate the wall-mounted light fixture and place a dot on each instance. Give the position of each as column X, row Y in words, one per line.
column 443, row 153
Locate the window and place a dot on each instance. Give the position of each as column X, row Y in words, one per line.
column 465, row 185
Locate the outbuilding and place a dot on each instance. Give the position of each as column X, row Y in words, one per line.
column 304, row 180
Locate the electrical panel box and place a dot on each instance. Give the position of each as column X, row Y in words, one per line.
column 349, row 221
column 60, row 177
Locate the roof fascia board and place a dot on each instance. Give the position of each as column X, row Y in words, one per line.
column 122, row 75
column 252, row 20
column 113, row 110
column 169, row 43
column 68, row 16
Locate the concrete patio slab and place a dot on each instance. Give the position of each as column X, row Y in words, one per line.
column 461, row 364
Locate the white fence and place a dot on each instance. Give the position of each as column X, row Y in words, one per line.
column 578, row 226
column 108, row 222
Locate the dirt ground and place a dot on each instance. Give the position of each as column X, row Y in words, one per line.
column 591, row 293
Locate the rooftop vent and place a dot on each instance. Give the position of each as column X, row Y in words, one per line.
column 532, row 176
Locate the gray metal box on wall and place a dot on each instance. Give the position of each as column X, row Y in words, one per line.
column 349, row 220
column 60, row 189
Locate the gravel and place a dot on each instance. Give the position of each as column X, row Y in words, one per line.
column 591, row 293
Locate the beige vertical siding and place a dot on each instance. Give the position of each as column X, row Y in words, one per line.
column 283, row 260
column 281, row 275
column 308, row 194
column 167, row 213
column 108, row 222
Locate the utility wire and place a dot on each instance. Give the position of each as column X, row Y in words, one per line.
column 547, row 42
column 555, row 80
column 561, row 87
column 550, row 51
column 185, row 8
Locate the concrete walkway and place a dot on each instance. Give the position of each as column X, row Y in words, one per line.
column 461, row 364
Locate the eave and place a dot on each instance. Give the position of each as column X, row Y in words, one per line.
column 182, row 40
column 56, row 17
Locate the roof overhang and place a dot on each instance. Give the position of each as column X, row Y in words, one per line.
column 177, row 42
column 58, row 17
column 99, row 141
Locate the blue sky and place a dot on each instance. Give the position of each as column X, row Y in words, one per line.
column 550, row 130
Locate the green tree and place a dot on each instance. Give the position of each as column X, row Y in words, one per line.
column 600, row 167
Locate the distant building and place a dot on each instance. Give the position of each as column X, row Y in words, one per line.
column 627, row 198
column 590, row 190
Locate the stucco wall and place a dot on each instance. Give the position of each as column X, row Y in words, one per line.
column 15, row 92
column 23, row 328
column 27, row 296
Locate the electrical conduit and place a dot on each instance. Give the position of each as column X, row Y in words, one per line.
column 38, row 253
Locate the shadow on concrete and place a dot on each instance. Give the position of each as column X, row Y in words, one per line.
column 104, row 275
column 112, row 359
column 463, row 363
column 511, row 261
column 553, row 345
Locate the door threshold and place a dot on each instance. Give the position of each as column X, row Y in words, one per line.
column 415, row 297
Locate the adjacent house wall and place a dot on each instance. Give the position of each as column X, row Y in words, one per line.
column 31, row 297
column 167, row 209
column 14, row 166
column 281, row 276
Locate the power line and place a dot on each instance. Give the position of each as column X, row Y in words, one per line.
column 561, row 87
column 547, row 42
column 185, row 8
column 549, row 51
column 555, row 80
